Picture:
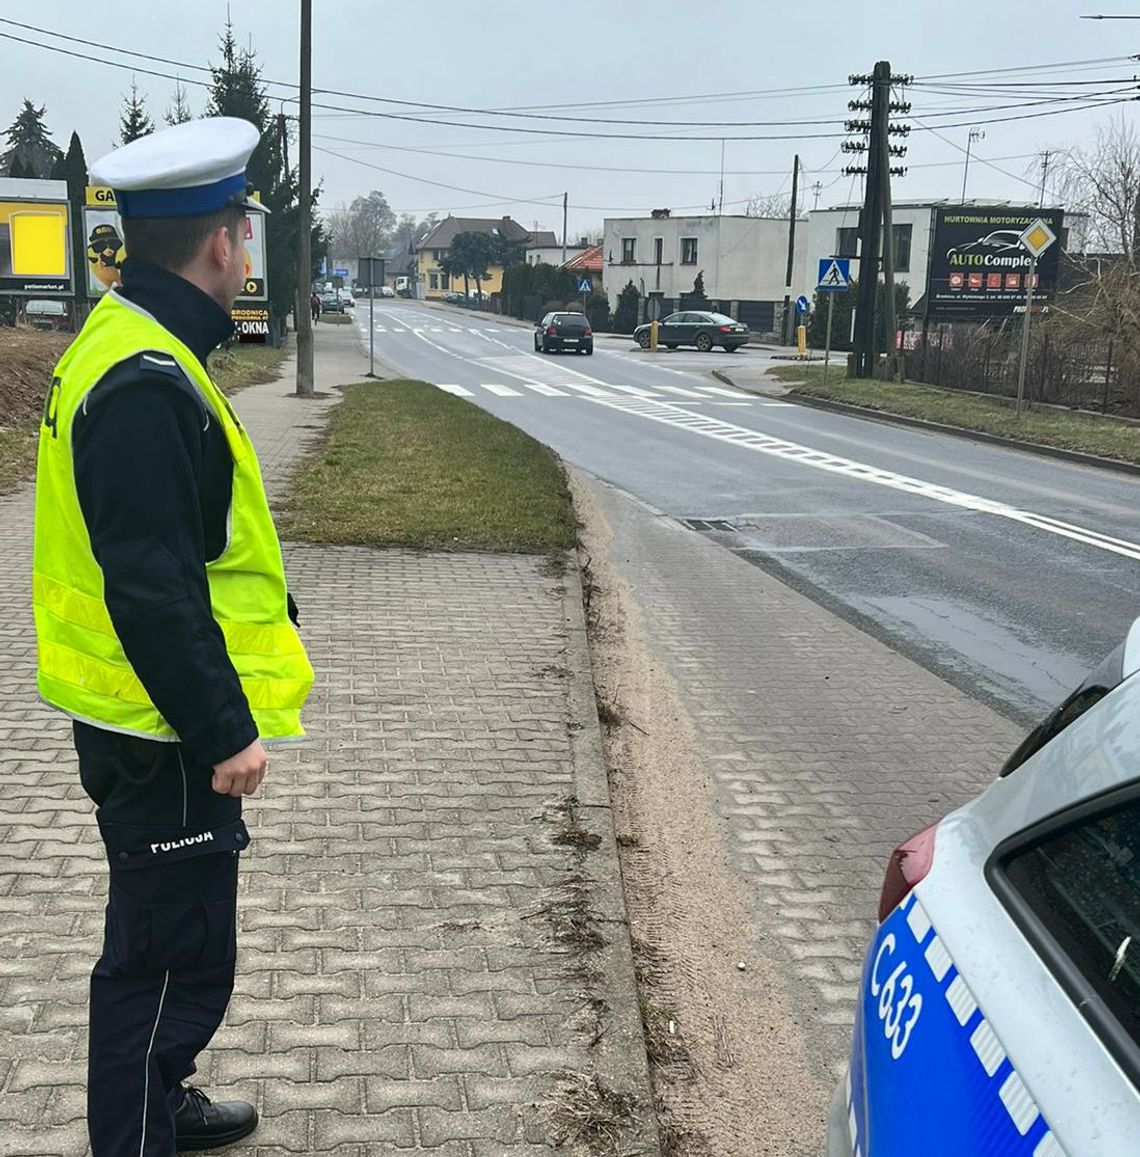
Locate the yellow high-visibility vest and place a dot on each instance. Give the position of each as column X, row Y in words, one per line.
column 82, row 667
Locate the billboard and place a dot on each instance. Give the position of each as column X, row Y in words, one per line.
column 252, row 323
column 35, row 254
column 978, row 267
column 103, row 234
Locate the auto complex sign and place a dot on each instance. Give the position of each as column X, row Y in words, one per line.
column 35, row 249
column 103, row 235
column 978, row 267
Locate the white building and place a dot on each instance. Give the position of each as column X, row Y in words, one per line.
column 743, row 260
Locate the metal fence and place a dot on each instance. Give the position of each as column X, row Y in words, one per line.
column 1061, row 370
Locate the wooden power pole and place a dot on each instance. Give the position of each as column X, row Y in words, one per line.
column 305, row 215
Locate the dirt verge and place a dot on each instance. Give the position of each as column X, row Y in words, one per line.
column 729, row 1070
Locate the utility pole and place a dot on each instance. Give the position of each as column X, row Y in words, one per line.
column 816, row 190
column 720, row 197
column 283, row 132
column 888, row 252
column 1044, row 175
column 789, row 327
column 876, row 206
column 305, row 215
column 565, row 215
column 976, row 134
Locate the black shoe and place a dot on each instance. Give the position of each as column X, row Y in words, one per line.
column 200, row 1124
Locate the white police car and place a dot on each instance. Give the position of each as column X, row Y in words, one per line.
column 1000, row 1003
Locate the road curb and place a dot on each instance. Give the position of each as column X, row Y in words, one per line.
column 888, row 419
column 620, row 1055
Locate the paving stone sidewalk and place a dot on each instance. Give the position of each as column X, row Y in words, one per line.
column 401, row 987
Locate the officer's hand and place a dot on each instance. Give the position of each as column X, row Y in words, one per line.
column 241, row 774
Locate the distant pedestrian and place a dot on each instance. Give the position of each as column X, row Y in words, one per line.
column 163, row 625
column 315, row 307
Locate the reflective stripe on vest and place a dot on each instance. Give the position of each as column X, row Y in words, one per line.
column 82, row 667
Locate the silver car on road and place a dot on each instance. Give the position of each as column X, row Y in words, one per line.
column 1000, row 1003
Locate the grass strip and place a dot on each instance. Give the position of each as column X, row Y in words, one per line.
column 405, row 464
column 245, row 365
column 1086, row 434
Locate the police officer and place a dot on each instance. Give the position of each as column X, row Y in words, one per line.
column 164, row 629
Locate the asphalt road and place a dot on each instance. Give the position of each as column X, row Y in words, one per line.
column 1009, row 574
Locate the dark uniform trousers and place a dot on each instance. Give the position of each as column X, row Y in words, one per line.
column 160, row 989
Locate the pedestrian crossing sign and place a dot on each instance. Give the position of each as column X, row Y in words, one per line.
column 834, row 274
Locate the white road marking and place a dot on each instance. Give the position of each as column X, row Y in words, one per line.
column 681, row 392
column 637, row 391
column 749, row 439
column 399, row 331
column 502, row 391
column 724, row 393
column 778, row 405
column 458, row 391
column 589, row 390
column 543, row 388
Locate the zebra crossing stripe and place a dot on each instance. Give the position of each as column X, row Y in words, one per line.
column 680, row 391
column 458, row 391
column 589, row 391
column 725, row 393
column 501, row 391
column 637, row 391
column 545, row 390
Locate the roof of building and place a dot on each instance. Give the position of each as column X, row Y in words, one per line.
column 589, row 260
column 400, row 265
column 449, row 228
column 543, row 239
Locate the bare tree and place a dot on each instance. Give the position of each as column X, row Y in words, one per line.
column 1103, row 180
column 778, row 205
column 363, row 228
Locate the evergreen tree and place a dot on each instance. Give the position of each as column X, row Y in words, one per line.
column 628, row 309
column 134, row 121
column 238, row 91
column 30, row 143
column 699, row 287
column 72, row 168
column 17, row 169
column 179, row 112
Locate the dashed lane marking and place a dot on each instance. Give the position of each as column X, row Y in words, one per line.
column 749, row 439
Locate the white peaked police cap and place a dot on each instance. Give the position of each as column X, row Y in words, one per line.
column 187, row 170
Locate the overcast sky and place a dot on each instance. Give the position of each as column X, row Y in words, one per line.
column 499, row 54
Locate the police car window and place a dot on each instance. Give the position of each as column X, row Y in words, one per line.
column 1083, row 885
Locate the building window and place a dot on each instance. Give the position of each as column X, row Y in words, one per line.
column 628, row 250
column 902, row 234
column 847, row 242
column 439, row 255
column 445, row 281
column 433, row 281
column 688, row 251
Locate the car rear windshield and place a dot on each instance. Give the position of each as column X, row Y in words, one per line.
column 721, row 319
column 574, row 322
column 1082, row 883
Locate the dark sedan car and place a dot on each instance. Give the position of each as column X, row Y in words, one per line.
column 564, row 331
column 703, row 330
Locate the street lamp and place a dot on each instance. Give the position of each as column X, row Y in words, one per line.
column 976, row 134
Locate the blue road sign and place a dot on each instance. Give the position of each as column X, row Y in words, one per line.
column 585, row 285
column 802, row 304
column 834, row 274
column 340, row 273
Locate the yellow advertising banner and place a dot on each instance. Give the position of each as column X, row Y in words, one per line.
column 34, row 249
